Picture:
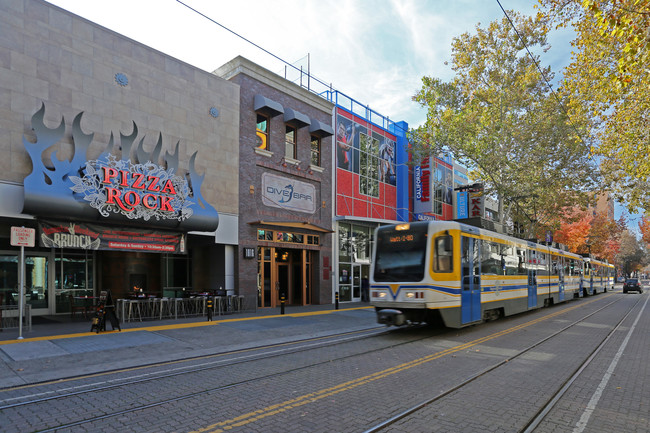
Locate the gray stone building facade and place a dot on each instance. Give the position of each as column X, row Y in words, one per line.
column 285, row 188
column 82, row 104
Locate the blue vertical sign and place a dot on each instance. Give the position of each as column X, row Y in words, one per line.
column 461, row 205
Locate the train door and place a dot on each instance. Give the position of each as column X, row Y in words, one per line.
column 470, row 298
column 532, row 278
column 558, row 264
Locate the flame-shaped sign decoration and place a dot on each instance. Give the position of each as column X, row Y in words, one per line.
column 122, row 189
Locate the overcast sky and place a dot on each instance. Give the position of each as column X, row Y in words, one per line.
column 375, row 51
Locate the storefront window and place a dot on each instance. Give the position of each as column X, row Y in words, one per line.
column 264, row 277
column 9, row 280
column 176, row 274
column 361, row 243
column 73, row 278
column 36, row 288
column 345, row 245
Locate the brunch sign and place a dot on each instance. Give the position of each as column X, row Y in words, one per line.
column 130, row 187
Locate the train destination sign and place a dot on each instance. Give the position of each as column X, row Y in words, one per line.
column 401, row 238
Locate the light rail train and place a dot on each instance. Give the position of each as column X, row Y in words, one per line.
column 432, row 271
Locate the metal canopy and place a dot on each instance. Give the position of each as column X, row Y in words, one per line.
column 268, row 106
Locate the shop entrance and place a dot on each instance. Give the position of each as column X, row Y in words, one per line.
column 353, row 282
column 283, row 271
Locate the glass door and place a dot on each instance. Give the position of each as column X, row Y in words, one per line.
column 345, row 282
column 356, row 283
column 74, row 277
column 36, row 281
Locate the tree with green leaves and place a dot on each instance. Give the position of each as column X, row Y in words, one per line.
column 608, row 88
column 499, row 117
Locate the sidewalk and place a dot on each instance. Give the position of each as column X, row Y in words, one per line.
column 64, row 347
column 64, row 325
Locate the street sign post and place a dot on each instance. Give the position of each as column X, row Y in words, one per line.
column 22, row 237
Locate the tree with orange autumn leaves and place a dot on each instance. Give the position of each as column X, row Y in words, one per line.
column 644, row 227
column 584, row 231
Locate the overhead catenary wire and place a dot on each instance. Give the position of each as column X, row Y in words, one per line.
column 297, row 69
column 550, row 86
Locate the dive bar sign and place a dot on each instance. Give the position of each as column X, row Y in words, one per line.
column 285, row 193
column 97, row 237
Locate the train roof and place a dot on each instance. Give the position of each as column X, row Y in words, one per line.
column 436, row 226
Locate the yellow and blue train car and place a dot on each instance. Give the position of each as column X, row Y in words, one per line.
column 598, row 276
column 433, row 271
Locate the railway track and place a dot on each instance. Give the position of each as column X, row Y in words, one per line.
column 120, row 380
column 543, row 411
column 223, row 376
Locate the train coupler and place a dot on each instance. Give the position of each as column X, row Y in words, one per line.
column 390, row 317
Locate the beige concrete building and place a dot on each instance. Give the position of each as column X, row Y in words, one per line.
column 122, row 159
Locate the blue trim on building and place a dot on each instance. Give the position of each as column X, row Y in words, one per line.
column 400, row 130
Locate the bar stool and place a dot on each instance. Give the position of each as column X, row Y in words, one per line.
column 220, row 303
column 180, row 307
column 165, row 308
column 232, row 303
column 133, row 309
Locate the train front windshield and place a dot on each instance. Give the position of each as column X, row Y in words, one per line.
column 400, row 253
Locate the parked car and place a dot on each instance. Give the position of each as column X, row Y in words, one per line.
column 632, row 285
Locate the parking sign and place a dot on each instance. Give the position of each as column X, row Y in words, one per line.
column 22, row 236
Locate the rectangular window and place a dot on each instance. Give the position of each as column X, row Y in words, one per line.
column 443, row 254
column 290, row 142
column 369, row 165
column 315, row 151
column 262, row 132
column 442, row 188
column 400, row 254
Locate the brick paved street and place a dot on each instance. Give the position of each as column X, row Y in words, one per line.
column 351, row 385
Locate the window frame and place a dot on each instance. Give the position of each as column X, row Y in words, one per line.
column 315, row 152
column 288, row 144
column 263, row 134
column 445, row 240
column 369, row 165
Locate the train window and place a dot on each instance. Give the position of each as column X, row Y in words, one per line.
column 443, row 254
column 490, row 259
column 400, row 254
column 555, row 265
column 521, row 262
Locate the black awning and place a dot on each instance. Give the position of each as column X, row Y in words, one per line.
column 296, row 118
column 267, row 106
column 321, row 129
